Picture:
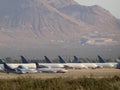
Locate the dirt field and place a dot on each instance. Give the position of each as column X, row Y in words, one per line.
column 97, row 73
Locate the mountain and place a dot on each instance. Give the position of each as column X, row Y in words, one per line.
column 26, row 24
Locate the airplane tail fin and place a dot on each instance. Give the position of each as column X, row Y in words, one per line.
column 37, row 65
column 6, row 67
column 100, row 59
column 61, row 59
column 40, row 66
column 47, row 59
column 2, row 61
column 24, row 59
column 76, row 60
column 118, row 64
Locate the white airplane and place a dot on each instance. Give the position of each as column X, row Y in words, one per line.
column 62, row 63
column 50, row 64
column 103, row 64
column 42, row 68
column 72, row 65
column 27, row 66
column 47, row 64
column 15, row 65
column 88, row 65
column 20, row 69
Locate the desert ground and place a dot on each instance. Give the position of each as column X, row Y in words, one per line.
column 95, row 73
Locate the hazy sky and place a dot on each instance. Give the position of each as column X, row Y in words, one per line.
column 112, row 5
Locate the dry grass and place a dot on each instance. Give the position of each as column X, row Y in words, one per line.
column 87, row 79
column 29, row 83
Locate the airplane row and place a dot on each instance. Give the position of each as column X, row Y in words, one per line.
column 50, row 67
column 20, row 69
column 77, row 64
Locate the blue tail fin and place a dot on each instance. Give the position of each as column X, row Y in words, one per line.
column 7, row 68
column 37, row 65
column 1, row 61
column 61, row 59
column 118, row 64
column 76, row 60
column 40, row 66
column 47, row 59
column 100, row 59
column 23, row 60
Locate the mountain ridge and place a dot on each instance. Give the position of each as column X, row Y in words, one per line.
column 63, row 23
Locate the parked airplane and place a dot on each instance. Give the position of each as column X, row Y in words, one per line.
column 48, row 64
column 20, row 69
column 71, row 65
column 103, row 64
column 100, row 64
column 42, row 68
column 24, row 63
column 87, row 65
